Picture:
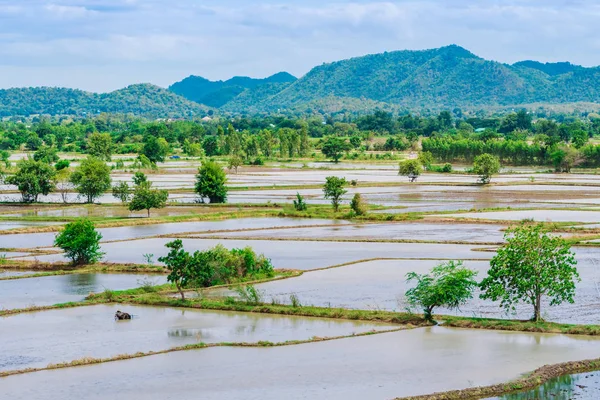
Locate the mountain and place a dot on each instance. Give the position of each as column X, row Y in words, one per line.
column 441, row 78
column 219, row 93
column 142, row 99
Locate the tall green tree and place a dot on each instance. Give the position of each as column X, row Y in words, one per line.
column 449, row 285
column 531, row 266
column 156, row 149
column 33, row 178
column 410, row 168
column 333, row 148
column 334, row 190
column 210, row 182
column 146, row 198
column 91, row 178
column 46, row 154
column 100, row 145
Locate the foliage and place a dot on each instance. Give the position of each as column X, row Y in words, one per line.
column 155, row 148
column 139, row 178
column 122, row 191
column 448, row 285
column 91, row 178
column 32, row 179
column 46, row 154
column 80, row 241
column 299, row 203
column 426, row 159
column 486, row 165
column 249, row 294
column 334, row 190
column 531, row 265
column 213, row 267
column 100, row 145
column 210, row 182
column 147, row 198
column 234, row 163
column 564, row 158
column 358, row 205
column 410, row 168
column 333, row 147
column 62, row 164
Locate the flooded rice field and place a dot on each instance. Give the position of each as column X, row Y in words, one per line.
column 301, row 255
column 49, row 290
column 393, row 231
column 34, row 340
column 5, row 273
column 7, row 225
column 537, row 215
column 381, row 284
column 584, row 386
column 384, row 366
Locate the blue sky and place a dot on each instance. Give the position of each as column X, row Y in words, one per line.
column 102, row 45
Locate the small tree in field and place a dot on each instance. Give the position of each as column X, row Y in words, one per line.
column 122, row 191
column 334, row 190
column 178, row 263
column 210, row 182
column 147, row 198
column 299, row 203
column 486, row 166
column 448, row 285
column 91, row 178
column 410, row 168
column 358, row 205
column 234, row 163
column 530, row 266
column 80, row 242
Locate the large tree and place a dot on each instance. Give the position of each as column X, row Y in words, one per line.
column 333, row 148
column 210, row 182
column 100, row 145
column 486, row 166
column 32, row 179
column 80, row 242
column 532, row 265
column 147, row 198
column 91, row 178
column 156, row 149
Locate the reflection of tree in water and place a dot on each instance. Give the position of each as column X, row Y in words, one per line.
column 561, row 388
column 80, row 283
column 198, row 334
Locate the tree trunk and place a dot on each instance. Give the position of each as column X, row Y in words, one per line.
column 537, row 308
column 148, row 213
column 180, row 291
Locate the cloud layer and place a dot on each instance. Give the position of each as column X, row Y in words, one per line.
column 103, row 45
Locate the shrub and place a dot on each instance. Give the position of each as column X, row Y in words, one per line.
column 80, row 241
column 62, row 164
column 299, row 203
column 210, row 182
column 358, row 205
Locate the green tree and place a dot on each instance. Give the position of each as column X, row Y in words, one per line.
column 122, row 191
column 448, row 285
column 410, row 168
column 80, row 241
column 234, row 163
column 580, row 138
column 358, row 205
column 426, row 159
column 531, row 265
column 565, row 158
column 210, row 182
column 62, row 164
column 486, row 166
column 91, row 178
column 46, row 154
column 147, row 198
column 100, row 145
column 32, row 179
column 178, row 264
column 334, row 190
column 333, row 147
column 355, row 141
column 192, row 149
column 156, row 149
column 139, row 178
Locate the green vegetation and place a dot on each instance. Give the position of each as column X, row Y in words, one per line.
column 144, row 196
column 334, row 147
column 216, row 266
column 486, row 166
column 334, row 190
column 33, row 178
column 358, row 205
column 80, row 241
column 122, row 191
column 91, row 178
column 448, row 285
column 299, row 203
column 100, row 145
column 532, row 265
column 410, row 168
column 210, row 182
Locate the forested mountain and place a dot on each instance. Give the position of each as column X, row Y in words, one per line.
column 436, row 79
column 219, row 93
column 143, row 99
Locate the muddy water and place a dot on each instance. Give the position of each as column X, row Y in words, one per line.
column 48, row 290
column 292, row 254
column 385, row 366
column 580, row 386
column 37, row 339
column 538, row 215
column 7, row 272
column 382, row 284
column 140, row 231
column 397, row 231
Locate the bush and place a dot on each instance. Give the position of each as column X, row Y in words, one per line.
column 258, row 161
column 447, row 168
column 62, row 164
column 210, row 182
column 299, row 203
column 358, row 205
column 80, row 241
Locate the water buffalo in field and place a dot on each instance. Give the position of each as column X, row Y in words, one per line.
column 121, row 316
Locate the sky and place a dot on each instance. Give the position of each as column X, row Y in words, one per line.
column 103, row 45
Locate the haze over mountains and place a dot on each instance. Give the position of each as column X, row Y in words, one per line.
column 447, row 77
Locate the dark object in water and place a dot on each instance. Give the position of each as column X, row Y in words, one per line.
column 121, row 316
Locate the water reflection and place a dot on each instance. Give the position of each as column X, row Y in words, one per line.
column 81, row 284
column 561, row 388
